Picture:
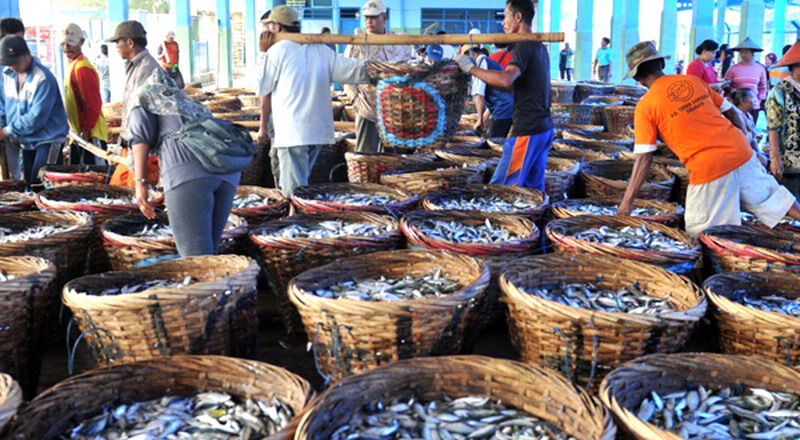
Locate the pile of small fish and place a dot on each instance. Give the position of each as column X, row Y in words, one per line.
column 640, row 239
column 592, row 209
column 484, row 204
column 8, row 235
column 113, row 201
column 457, row 232
column 6, row 276
column 356, row 199
column 333, row 229
column 748, row 218
column 589, row 296
column 391, row 289
column 465, row 418
column 252, row 200
column 146, row 285
column 728, row 413
column 154, row 231
column 774, row 304
column 206, row 416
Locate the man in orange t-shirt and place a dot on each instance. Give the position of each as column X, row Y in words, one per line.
column 700, row 127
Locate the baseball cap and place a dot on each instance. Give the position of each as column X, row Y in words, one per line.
column 71, row 35
column 170, row 34
column 434, row 52
column 128, row 29
column 11, row 48
column 372, row 8
column 283, row 15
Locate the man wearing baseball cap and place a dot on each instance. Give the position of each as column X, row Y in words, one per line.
column 294, row 82
column 375, row 16
column 168, row 55
column 704, row 131
column 32, row 108
column 82, row 98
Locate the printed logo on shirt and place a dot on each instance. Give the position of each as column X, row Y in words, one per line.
column 680, row 91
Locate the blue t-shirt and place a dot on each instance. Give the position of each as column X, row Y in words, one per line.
column 603, row 56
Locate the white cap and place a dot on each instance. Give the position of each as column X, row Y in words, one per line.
column 72, row 35
column 372, row 8
column 170, row 34
column 474, row 31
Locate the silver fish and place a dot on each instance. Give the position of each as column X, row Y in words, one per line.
column 748, row 218
column 4, row 276
column 628, row 237
column 458, row 232
column 592, row 209
column 727, row 413
column 205, row 416
column 484, row 204
column 773, row 303
column 251, row 201
column 147, row 285
column 472, row 417
column 154, row 231
column 391, row 289
column 589, row 296
column 333, row 229
column 356, row 199
column 8, row 235
column 113, row 201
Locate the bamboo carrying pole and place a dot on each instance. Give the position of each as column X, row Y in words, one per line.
column 390, row 40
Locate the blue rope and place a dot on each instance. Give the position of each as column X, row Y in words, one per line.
column 154, row 260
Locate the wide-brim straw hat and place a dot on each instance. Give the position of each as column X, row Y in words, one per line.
column 641, row 53
column 748, row 44
column 791, row 57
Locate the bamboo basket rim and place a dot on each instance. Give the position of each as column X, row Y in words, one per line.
column 672, row 211
column 80, row 220
column 281, row 201
column 303, row 242
column 561, row 167
column 758, row 317
column 300, row 198
column 429, row 202
column 236, row 227
column 715, row 239
column 49, row 199
column 598, row 171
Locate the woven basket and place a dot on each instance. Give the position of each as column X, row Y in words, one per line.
column 539, row 392
column 368, row 167
column 591, row 128
column 618, row 118
column 630, row 91
column 128, row 252
column 751, row 249
column 305, row 200
column 612, row 149
column 330, row 158
column 586, row 344
column 224, row 104
column 15, row 202
column 277, row 208
column 466, row 156
column 418, row 105
column 285, row 258
column 624, row 389
column 585, row 89
column 12, row 185
column 425, row 178
column 74, row 175
column 351, row 336
column 59, row 408
column 25, row 303
column 432, row 201
column 561, row 92
column 750, row 331
column 462, row 140
column 249, row 100
column 579, row 155
column 562, row 234
column 215, row 315
column 610, row 179
column 560, row 176
column 233, row 91
column 240, row 115
column 670, row 213
column 602, row 100
column 10, row 399
column 623, row 139
column 577, row 114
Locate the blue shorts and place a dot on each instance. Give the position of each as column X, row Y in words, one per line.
column 524, row 161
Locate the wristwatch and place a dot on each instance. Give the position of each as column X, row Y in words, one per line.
column 140, row 179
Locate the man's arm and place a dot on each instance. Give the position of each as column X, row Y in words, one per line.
column 641, row 169
column 479, row 107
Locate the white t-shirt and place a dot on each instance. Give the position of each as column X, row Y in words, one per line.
column 299, row 77
column 448, row 52
column 478, row 87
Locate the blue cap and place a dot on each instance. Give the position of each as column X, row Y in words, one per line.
column 434, row 52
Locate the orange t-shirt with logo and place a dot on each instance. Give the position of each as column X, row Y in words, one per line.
column 686, row 114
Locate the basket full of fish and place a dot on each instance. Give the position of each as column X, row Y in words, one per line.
column 787, row 224
column 468, row 156
column 626, row 237
column 609, row 178
column 584, row 315
column 621, row 139
column 53, row 176
column 501, row 199
column 179, row 397
column 581, row 155
column 424, row 178
column 14, row 201
column 365, row 311
column 27, row 297
column 367, row 197
column 257, row 204
column 560, row 176
column 456, row 397
column 758, row 314
column 645, row 209
column 133, row 241
column 194, row 305
column 613, row 150
column 100, row 201
column 293, row 245
column 751, row 249
column 368, row 167
column 699, row 396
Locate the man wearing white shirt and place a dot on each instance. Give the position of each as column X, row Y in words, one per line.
column 297, row 79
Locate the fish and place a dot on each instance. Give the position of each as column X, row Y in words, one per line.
column 204, row 416
column 154, row 231
column 143, row 286
column 356, row 199
column 458, row 232
column 628, row 237
column 592, row 209
column 111, row 201
column 332, row 229
column 593, row 297
column 749, row 219
column 773, row 303
column 390, row 289
column 484, row 204
column 252, row 200
column 725, row 413
column 471, row 417
column 8, row 235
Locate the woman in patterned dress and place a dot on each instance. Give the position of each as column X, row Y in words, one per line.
column 783, row 123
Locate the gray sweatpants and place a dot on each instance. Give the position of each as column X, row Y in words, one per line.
column 13, row 159
column 367, row 139
column 295, row 166
column 198, row 211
